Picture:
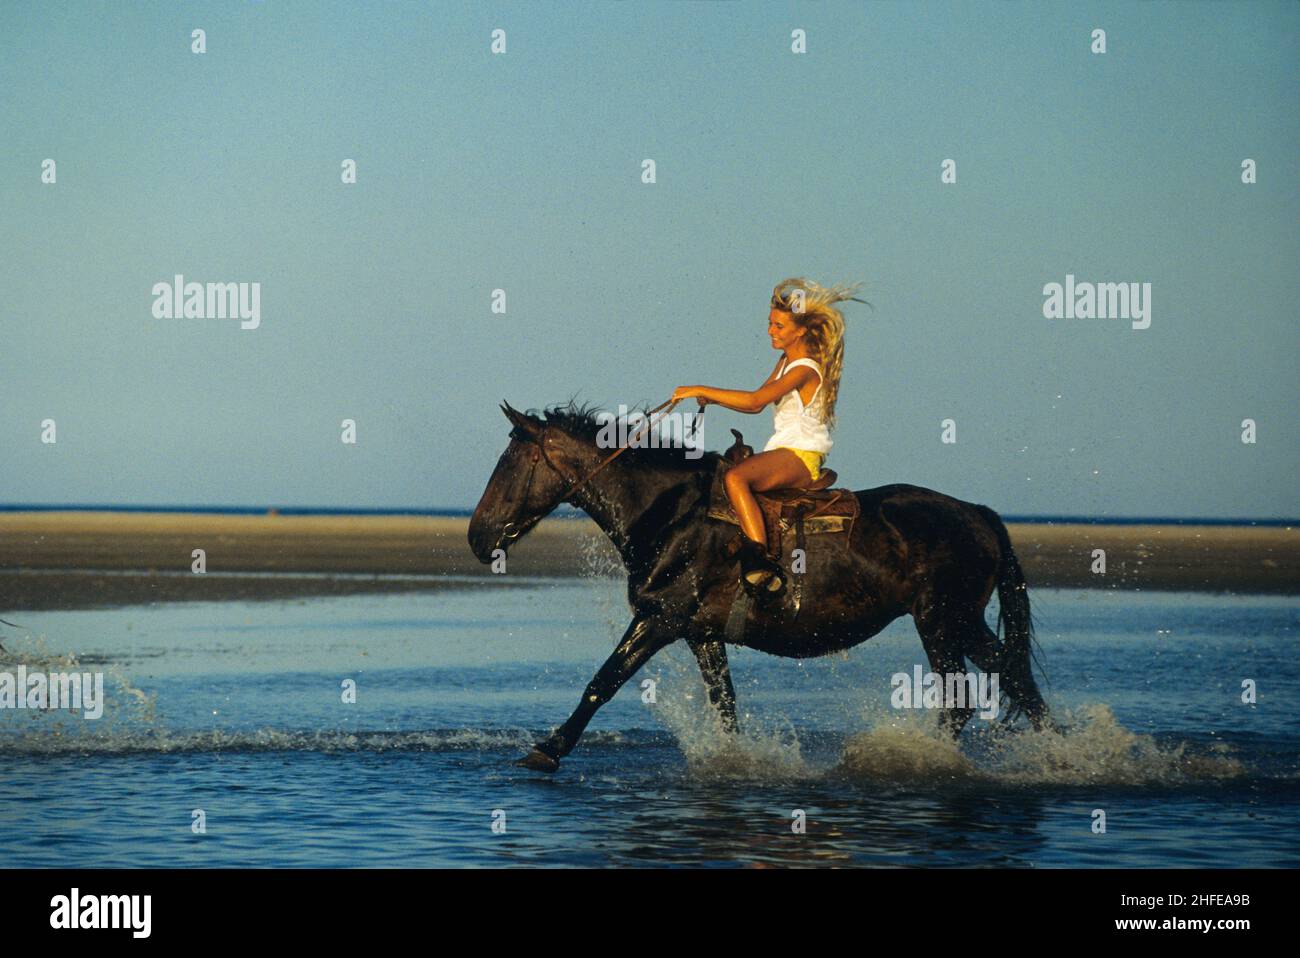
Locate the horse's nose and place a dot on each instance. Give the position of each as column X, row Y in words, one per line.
column 481, row 543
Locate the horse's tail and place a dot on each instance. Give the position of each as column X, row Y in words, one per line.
column 1016, row 628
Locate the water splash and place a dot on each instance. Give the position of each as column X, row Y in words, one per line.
column 769, row 751
column 599, row 561
column 126, row 707
column 1093, row 749
column 1096, row 749
column 911, row 750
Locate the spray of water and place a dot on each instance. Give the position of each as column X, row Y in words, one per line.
column 126, row 708
column 911, row 748
column 763, row 750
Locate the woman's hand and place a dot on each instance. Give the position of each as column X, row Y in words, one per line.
column 692, row 392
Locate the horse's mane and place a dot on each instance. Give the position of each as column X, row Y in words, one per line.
column 585, row 422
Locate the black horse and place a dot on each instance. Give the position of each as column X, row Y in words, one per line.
column 911, row 550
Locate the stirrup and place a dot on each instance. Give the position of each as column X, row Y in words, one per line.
column 759, row 573
column 770, row 583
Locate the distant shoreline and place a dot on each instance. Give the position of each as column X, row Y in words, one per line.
column 53, row 559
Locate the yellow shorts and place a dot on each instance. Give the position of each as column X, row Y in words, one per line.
column 813, row 460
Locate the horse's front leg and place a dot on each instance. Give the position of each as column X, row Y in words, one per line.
column 712, row 657
column 643, row 638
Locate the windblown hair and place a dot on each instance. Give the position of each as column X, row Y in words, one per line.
column 813, row 307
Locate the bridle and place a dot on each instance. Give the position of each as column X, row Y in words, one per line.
column 513, row 530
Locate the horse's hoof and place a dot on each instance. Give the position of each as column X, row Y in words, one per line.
column 539, row 761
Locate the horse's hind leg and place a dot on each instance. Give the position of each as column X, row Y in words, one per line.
column 941, row 636
column 712, row 657
column 982, row 648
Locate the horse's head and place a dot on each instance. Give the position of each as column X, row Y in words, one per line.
column 529, row 481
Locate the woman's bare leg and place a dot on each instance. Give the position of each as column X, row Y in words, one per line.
column 762, row 472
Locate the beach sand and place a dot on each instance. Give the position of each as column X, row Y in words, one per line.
column 63, row 560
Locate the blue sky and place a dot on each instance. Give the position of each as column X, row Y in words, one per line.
column 522, row 172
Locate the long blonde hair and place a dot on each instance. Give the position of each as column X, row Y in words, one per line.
column 812, row 307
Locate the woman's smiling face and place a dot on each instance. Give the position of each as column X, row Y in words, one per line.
column 782, row 329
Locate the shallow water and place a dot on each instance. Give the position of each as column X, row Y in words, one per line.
column 236, row 709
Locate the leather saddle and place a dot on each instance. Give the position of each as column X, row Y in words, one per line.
column 815, row 509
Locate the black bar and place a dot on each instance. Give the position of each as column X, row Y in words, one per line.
column 369, row 906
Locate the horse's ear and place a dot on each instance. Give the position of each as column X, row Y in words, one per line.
column 518, row 419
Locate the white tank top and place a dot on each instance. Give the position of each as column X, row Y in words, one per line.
column 796, row 426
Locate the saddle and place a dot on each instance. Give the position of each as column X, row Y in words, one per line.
column 815, row 509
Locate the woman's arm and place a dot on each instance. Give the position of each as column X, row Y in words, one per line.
column 737, row 399
column 749, row 402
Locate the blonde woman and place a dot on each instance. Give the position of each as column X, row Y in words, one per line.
column 807, row 328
